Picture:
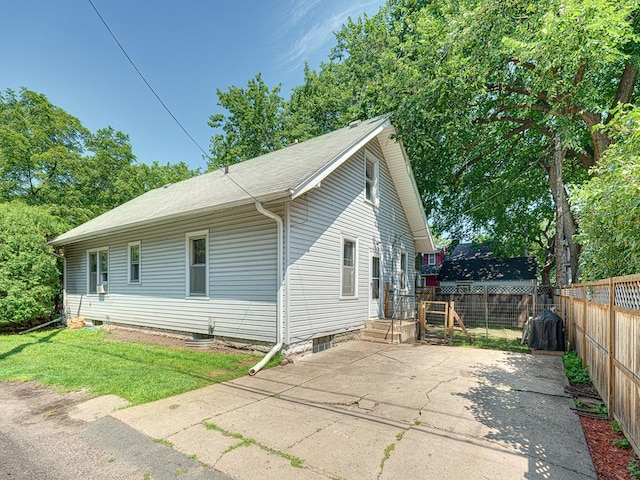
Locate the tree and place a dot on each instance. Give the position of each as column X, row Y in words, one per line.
column 40, row 144
column 29, row 275
column 609, row 204
column 254, row 125
column 481, row 92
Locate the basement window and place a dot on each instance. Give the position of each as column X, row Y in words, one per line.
column 321, row 344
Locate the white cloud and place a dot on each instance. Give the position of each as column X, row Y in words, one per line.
column 313, row 37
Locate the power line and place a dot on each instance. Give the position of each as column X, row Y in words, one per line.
column 145, row 80
column 160, row 99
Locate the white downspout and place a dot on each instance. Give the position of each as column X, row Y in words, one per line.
column 279, row 310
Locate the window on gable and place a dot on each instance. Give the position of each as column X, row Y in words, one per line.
column 432, row 259
column 98, row 271
column 197, row 266
column 403, row 271
column 349, row 269
column 371, row 179
column 134, row 262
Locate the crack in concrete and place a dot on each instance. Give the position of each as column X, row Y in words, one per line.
column 437, row 385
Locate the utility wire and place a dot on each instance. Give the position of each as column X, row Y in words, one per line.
column 158, row 96
column 145, row 80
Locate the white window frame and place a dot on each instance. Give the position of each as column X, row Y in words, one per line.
column 97, row 251
column 194, row 236
column 403, row 271
column 129, row 264
column 354, row 240
column 369, row 158
column 431, row 256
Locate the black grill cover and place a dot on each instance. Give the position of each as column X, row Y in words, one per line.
column 546, row 332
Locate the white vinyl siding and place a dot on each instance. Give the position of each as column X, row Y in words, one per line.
column 319, row 221
column 133, row 262
column 242, row 277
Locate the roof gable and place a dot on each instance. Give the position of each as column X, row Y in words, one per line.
column 283, row 174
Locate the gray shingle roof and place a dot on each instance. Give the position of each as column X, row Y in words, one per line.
column 277, row 175
column 486, row 269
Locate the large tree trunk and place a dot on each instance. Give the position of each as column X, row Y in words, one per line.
column 566, row 226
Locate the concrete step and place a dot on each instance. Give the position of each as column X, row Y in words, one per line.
column 381, row 335
column 381, row 330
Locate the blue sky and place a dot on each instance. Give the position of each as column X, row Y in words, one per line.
column 185, row 50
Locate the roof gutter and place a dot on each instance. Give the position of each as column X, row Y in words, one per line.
column 279, row 303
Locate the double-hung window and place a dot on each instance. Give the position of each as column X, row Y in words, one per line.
column 349, row 273
column 133, row 257
column 432, row 259
column 98, row 270
column 371, row 179
column 197, row 264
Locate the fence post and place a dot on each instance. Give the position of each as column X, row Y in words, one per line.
column 386, row 299
column 583, row 354
column 451, row 310
column 421, row 320
column 572, row 322
column 612, row 346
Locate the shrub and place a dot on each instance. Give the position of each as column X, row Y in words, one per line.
column 29, row 274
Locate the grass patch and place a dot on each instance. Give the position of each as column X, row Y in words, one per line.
column 164, row 442
column 493, row 338
column 573, row 368
column 83, row 359
column 245, row 442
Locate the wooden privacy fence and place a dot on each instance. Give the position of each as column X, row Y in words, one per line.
column 603, row 325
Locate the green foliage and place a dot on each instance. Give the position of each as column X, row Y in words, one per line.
column 138, row 373
column 477, row 90
column 616, row 427
column 29, row 275
column 573, row 368
column 253, row 127
column 48, row 158
column 622, row 443
column 609, row 204
column 634, row 467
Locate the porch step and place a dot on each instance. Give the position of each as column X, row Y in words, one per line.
column 380, row 331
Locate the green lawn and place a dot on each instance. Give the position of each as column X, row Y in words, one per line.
column 77, row 359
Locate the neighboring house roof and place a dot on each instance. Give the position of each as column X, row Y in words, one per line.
column 430, row 269
column 519, row 268
column 469, row 251
column 284, row 174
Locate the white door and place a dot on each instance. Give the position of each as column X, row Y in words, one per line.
column 375, row 287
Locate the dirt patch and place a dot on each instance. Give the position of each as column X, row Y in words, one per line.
column 148, row 337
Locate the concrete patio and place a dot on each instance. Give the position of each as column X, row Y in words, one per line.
column 365, row 410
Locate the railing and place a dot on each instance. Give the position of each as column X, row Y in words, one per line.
column 603, row 323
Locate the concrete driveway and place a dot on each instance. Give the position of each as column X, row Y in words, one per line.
column 372, row 411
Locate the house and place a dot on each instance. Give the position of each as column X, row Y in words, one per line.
column 291, row 248
column 430, row 266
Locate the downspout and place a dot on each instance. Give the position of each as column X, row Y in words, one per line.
column 279, row 310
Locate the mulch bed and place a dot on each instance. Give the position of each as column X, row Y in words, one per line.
column 610, row 462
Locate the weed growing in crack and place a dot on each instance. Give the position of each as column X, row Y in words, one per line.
column 163, row 441
column 245, row 442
